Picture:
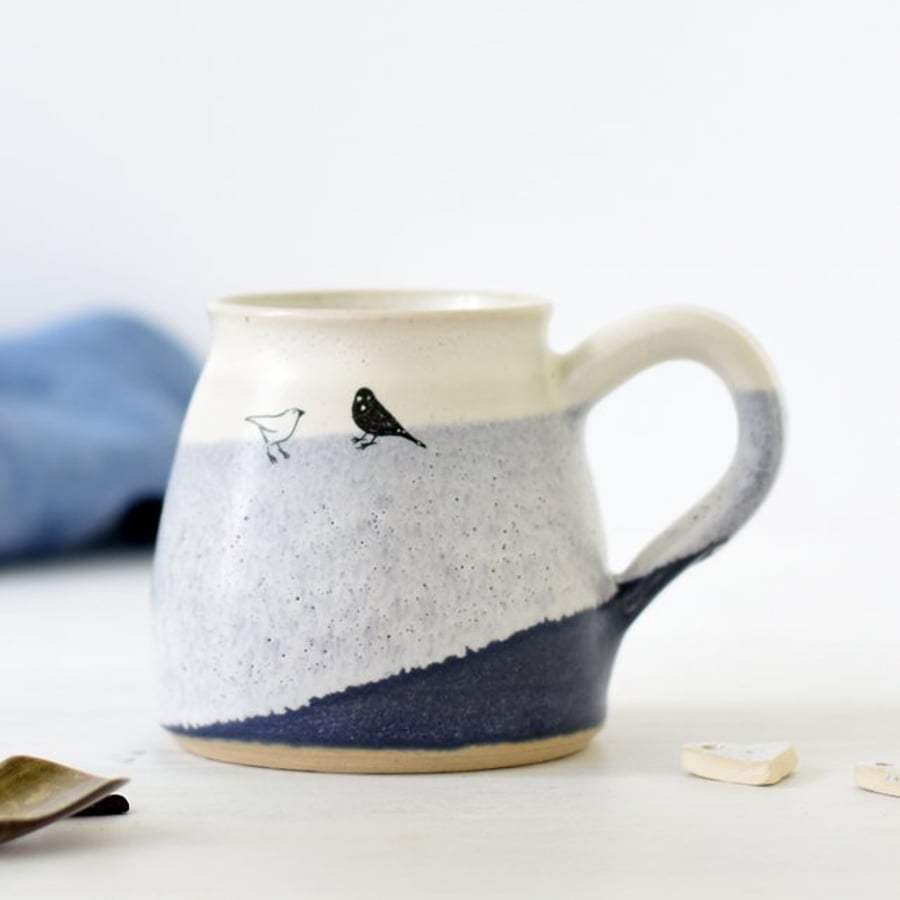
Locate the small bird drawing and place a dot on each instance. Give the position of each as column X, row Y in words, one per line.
column 375, row 421
column 275, row 430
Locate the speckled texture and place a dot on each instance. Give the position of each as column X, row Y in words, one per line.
column 548, row 680
column 279, row 583
column 738, row 494
column 318, row 598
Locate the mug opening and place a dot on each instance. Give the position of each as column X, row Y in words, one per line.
column 377, row 303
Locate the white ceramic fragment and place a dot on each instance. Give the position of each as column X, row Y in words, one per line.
column 881, row 777
column 763, row 763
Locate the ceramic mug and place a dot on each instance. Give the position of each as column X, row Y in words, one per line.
column 380, row 549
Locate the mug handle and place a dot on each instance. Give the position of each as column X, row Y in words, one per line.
column 612, row 356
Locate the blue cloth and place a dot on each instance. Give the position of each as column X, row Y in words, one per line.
column 90, row 410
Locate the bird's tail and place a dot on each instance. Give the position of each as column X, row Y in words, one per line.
column 415, row 440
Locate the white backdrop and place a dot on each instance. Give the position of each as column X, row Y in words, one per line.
column 609, row 156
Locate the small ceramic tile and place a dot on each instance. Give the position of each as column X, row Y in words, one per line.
column 881, row 777
column 758, row 764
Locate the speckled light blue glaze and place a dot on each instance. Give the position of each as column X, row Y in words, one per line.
column 398, row 596
column 278, row 583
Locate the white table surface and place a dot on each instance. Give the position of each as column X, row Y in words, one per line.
column 619, row 820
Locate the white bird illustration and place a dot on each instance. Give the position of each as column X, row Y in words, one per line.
column 275, row 430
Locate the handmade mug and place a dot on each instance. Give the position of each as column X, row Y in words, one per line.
column 380, row 549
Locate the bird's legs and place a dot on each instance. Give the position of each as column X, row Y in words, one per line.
column 272, row 459
column 283, row 452
column 362, row 443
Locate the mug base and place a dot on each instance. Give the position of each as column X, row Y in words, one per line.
column 389, row 761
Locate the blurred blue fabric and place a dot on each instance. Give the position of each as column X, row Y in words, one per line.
column 90, row 410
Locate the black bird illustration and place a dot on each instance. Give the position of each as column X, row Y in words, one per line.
column 375, row 421
column 276, row 429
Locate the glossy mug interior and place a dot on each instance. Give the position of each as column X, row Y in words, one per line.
column 380, row 549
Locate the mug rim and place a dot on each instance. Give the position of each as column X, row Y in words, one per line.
column 378, row 303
